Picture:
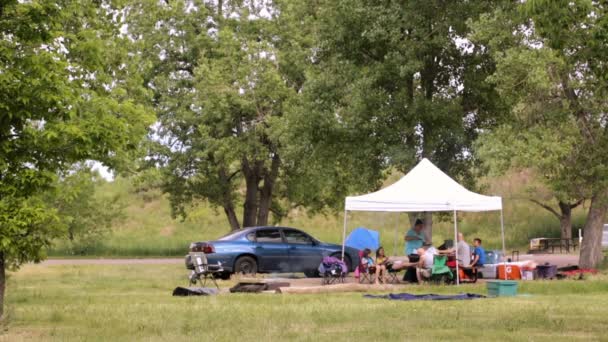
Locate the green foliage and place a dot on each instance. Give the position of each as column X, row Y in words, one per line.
column 392, row 84
column 224, row 79
column 551, row 84
column 28, row 227
column 87, row 215
column 551, row 71
column 66, row 95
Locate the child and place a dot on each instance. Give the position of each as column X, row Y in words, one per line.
column 381, row 263
column 366, row 259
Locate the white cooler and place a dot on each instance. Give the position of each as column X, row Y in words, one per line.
column 488, row 271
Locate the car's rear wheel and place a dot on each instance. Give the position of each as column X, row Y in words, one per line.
column 312, row 273
column 346, row 260
column 246, row 265
column 223, row 275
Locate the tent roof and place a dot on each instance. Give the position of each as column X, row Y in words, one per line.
column 424, row 188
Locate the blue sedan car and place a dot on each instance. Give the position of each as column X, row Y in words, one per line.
column 269, row 250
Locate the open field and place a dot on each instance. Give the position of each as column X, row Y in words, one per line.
column 149, row 230
column 134, row 302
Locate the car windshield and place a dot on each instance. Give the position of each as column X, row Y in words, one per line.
column 232, row 235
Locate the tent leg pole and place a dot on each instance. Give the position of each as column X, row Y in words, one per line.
column 344, row 233
column 395, row 240
column 504, row 249
column 502, row 230
column 456, row 246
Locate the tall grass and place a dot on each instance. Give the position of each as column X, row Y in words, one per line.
column 149, row 230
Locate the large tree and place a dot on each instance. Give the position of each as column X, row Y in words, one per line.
column 224, row 76
column 395, row 82
column 65, row 96
column 552, row 71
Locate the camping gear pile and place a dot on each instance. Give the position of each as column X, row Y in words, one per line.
column 332, row 270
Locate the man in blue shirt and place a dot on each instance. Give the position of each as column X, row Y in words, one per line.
column 414, row 238
column 479, row 254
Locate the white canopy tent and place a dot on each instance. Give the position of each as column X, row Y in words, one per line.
column 425, row 188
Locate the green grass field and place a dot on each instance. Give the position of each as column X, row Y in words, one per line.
column 134, row 303
column 149, row 230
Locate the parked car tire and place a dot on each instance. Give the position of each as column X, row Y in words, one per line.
column 246, row 265
column 223, row 275
column 312, row 274
column 347, row 260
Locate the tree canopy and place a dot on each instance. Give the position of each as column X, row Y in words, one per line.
column 66, row 95
column 551, row 71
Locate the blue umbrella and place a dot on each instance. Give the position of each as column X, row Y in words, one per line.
column 362, row 238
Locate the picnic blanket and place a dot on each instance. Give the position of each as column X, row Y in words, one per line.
column 431, row 296
column 194, row 291
column 256, row 287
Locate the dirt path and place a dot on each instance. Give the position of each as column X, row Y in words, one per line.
column 295, row 279
column 555, row 259
column 560, row 260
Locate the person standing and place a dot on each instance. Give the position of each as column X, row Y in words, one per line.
column 464, row 252
column 479, row 254
column 414, row 238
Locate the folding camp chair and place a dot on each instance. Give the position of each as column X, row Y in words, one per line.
column 333, row 273
column 440, row 271
column 468, row 274
column 366, row 271
column 202, row 270
column 393, row 275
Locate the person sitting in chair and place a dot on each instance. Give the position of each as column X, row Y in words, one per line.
column 464, row 252
column 479, row 254
column 381, row 265
column 366, row 259
column 427, row 256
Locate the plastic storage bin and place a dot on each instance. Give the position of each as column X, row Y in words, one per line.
column 527, row 274
column 501, row 288
column 546, row 271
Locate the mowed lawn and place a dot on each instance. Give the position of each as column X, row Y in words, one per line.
column 134, row 303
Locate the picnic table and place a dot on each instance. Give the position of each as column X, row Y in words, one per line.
column 560, row 243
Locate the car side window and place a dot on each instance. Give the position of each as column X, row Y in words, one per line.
column 269, row 235
column 294, row 236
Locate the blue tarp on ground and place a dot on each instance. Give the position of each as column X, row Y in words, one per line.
column 362, row 238
column 409, row 296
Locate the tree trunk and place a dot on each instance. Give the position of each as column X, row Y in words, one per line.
column 252, row 180
column 227, row 200
column 564, row 216
column 591, row 249
column 266, row 191
column 2, row 283
column 565, row 220
column 250, row 209
column 427, row 218
column 231, row 215
column 413, row 216
column 428, row 226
